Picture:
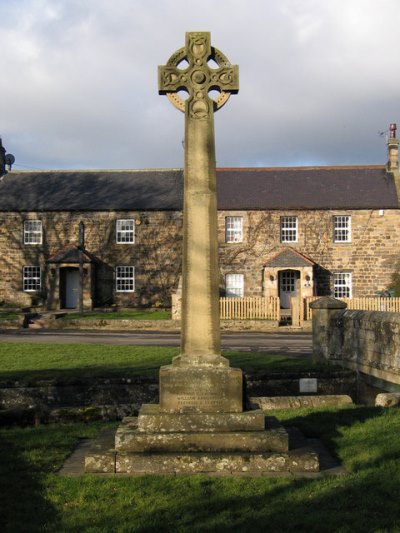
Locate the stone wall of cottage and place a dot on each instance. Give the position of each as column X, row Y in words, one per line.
column 371, row 256
column 155, row 254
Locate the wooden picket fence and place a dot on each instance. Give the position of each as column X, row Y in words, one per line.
column 250, row 308
column 363, row 304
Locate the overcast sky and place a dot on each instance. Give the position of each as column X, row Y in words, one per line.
column 319, row 79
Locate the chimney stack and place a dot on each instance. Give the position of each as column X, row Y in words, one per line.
column 393, row 151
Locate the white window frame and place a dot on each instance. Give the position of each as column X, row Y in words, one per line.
column 233, row 230
column 234, row 285
column 342, row 228
column 289, row 229
column 31, row 278
column 125, row 231
column 33, row 231
column 125, row 278
column 342, row 285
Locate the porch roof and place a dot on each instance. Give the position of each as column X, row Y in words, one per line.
column 70, row 255
column 289, row 258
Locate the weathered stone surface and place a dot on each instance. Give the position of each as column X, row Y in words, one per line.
column 103, row 459
column 367, row 341
column 228, row 464
column 102, row 462
column 273, row 440
column 153, row 421
column 119, row 397
column 387, row 399
column 295, row 402
column 200, row 273
column 201, row 388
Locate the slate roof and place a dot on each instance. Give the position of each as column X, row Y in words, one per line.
column 353, row 187
column 307, row 188
column 289, row 258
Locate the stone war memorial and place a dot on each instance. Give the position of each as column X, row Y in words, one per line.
column 200, row 425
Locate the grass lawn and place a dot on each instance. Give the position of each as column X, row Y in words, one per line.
column 8, row 315
column 44, row 361
column 128, row 314
column 34, row 499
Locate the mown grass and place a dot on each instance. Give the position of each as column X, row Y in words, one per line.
column 127, row 314
column 8, row 315
column 33, row 498
column 48, row 361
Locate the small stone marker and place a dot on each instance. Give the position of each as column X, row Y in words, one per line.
column 308, row 385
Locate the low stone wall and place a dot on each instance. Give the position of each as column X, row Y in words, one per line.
column 158, row 325
column 296, row 402
column 366, row 341
column 113, row 398
column 116, row 325
column 105, row 324
column 14, row 323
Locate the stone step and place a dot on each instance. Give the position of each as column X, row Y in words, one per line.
column 298, row 461
column 37, row 324
column 132, row 440
column 102, row 458
column 197, row 463
column 151, row 420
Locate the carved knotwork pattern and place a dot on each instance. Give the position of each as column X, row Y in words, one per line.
column 198, row 78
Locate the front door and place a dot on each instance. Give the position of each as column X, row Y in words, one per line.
column 71, row 288
column 287, row 286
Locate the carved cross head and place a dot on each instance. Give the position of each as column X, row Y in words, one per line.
column 188, row 70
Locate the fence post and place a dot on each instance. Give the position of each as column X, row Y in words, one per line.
column 321, row 316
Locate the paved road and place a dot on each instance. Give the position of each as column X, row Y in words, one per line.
column 276, row 343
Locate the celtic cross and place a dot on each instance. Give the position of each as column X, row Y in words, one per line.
column 200, row 338
column 198, row 78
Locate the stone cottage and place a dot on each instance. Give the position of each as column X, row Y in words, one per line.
column 118, row 233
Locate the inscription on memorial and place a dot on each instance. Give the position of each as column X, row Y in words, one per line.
column 201, row 389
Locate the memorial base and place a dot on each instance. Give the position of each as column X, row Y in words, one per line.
column 159, row 443
column 200, row 427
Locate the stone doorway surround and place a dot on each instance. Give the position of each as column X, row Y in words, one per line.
column 61, row 265
column 288, row 260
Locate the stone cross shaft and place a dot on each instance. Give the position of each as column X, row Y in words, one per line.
column 200, row 339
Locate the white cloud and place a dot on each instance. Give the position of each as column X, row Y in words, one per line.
column 318, row 80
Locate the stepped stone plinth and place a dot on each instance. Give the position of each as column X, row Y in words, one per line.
column 152, row 420
column 151, row 444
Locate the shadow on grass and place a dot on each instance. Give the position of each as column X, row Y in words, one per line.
column 366, row 499
column 197, row 504
column 63, row 375
column 250, row 363
column 23, row 507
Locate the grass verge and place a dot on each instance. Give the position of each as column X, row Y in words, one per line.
column 129, row 314
column 51, row 361
column 8, row 315
column 34, row 498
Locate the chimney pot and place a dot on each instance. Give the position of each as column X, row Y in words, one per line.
column 393, row 150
